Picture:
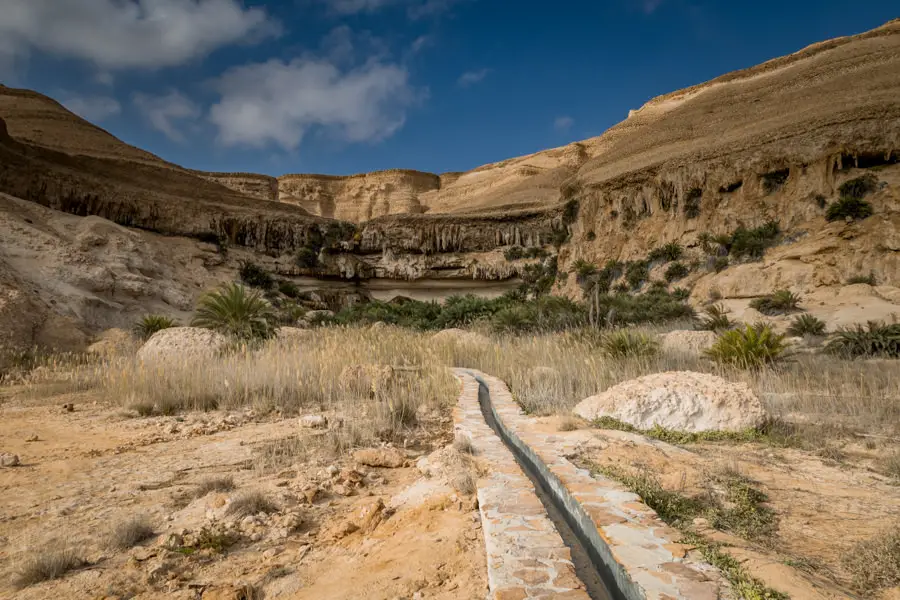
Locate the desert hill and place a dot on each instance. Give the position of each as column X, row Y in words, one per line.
column 773, row 143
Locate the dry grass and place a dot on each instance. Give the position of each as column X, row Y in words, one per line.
column 251, row 503
column 47, row 563
column 463, row 445
column 875, row 564
column 861, row 395
column 129, row 533
column 214, row 484
column 568, row 423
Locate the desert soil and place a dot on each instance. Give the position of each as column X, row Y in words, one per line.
column 373, row 533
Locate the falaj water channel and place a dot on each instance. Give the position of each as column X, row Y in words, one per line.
column 553, row 531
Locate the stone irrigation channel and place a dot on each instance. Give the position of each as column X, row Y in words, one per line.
column 553, row 530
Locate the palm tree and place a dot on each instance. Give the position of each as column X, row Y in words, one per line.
column 234, row 310
column 150, row 324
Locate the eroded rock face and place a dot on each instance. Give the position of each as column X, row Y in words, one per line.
column 678, row 400
column 180, row 343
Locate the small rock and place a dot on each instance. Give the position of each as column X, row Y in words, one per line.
column 314, row 421
column 33, row 438
column 9, row 460
column 390, row 458
column 68, row 407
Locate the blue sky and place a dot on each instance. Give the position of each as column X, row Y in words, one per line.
column 347, row 86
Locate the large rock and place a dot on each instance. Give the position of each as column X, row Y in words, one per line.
column 177, row 343
column 679, row 400
column 692, row 343
column 461, row 336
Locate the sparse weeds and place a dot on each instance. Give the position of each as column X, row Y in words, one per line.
column 44, row 564
column 214, row 484
column 875, row 564
column 251, row 503
column 130, row 532
column 736, row 504
column 463, row 445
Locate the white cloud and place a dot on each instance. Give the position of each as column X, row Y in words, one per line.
column 122, row 34
column 420, row 43
column 279, row 102
column 93, row 108
column 649, row 6
column 416, row 9
column 563, row 123
column 163, row 112
column 472, row 77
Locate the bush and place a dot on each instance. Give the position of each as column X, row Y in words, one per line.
column 583, row 270
column 668, row 252
column 752, row 243
column 656, row 307
column 255, row 276
column 875, row 564
column 715, row 319
column 858, row 188
column 47, row 564
column 749, row 348
column 845, row 206
column 628, row 344
column 622, row 288
column 720, row 264
column 867, row 279
column 307, row 258
column 681, row 293
column 129, row 533
column 150, row 324
column 636, row 274
column 250, row 503
column 591, row 236
column 779, row 303
column 803, row 325
column 289, row 289
column 235, row 311
column 676, row 271
column 873, row 339
column 514, row 253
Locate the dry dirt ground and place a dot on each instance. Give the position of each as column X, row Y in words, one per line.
column 823, row 505
column 396, row 535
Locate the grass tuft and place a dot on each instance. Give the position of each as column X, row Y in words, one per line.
column 214, row 484
column 875, row 564
column 251, row 503
column 129, row 533
column 45, row 564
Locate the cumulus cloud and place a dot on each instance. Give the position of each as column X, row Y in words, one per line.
column 563, row 123
column 165, row 112
column 472, row 77
column 121, row 34
column 93, row 108
column 279, row 102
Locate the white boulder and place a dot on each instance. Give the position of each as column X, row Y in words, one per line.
column 678, row 400
column 178, row 343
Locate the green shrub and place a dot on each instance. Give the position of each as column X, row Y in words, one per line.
column 628, row 344
column 707, row 242
column 255, row 276
column 749, row 348
column 514, row 253
column 752, row 243
column 692, row 203
column 858, row 188
column 583, row 270
column 535, row 252
column 779, row 303
column 665, row 253
column 289, row 289
column 806, row 324
column 676, row 271
column 867, row 279
column 307, row 258
column 720, row 264
column 655, row 307
column 873, row 339
column 150, row 324
column 622, row 288
column 846, row 206
column 591, row 236
column 636, row 274
column 715, row 319
column 236, row 311
column 681, row 293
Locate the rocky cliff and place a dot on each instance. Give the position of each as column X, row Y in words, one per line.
column 770, row 143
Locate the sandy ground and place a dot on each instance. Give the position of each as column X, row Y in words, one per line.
column 823, row 507
column 86, row 470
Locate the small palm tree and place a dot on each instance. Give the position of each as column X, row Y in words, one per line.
column 150, row 324
column 752, row 347
column 234, row 310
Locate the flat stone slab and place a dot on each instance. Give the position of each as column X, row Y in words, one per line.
column 526, row 555
column 642, row 551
